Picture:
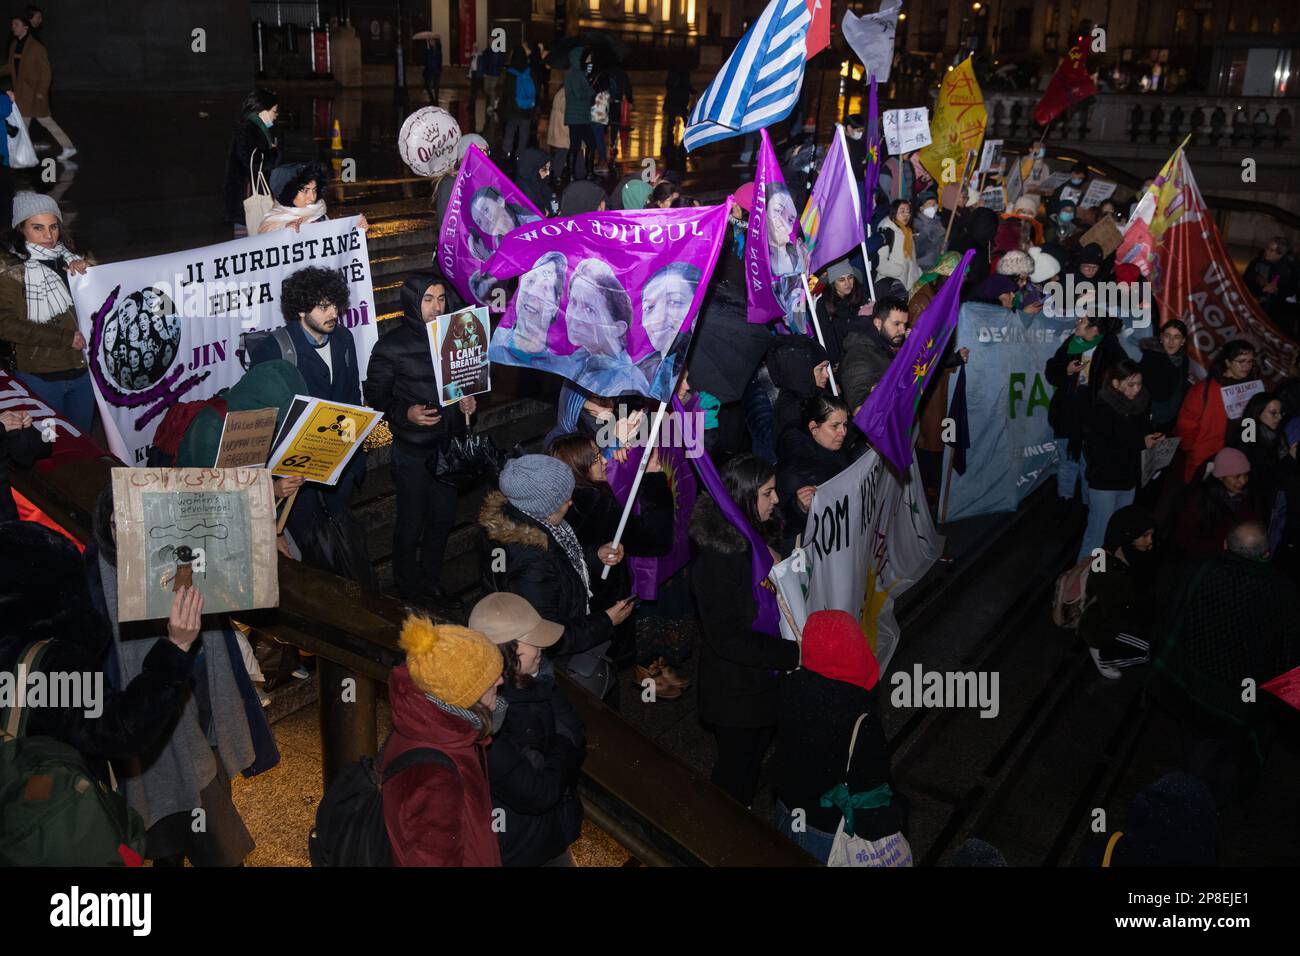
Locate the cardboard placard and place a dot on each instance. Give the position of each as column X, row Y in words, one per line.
column 1235, row 397
column 458, row 343
column 906, row 130
column 1105, row 233
column 319, row 438
column 990, row 155
column 246, row 438
column 1049, row 184
column 1099, row 190
column 213, row 528
column 1157, row 458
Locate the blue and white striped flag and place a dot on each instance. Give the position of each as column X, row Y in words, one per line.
column 760, row 82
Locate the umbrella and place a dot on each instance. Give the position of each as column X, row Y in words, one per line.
column 601, row 44
column 727, row 348
column 424, row 35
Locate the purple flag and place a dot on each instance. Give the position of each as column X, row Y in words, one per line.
column 608, row 299
column 832, row 220
column 649, row 573
column 767, row 620
column 775, row 256
column 887, row 415
column 872, row 176
column 484, row 206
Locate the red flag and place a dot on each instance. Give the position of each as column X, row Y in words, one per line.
column 1070, row 84
column 819, row 31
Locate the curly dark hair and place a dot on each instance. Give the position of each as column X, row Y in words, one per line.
column 510, row 666
column 307, row 288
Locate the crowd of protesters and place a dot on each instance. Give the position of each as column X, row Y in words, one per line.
column 1189, row 576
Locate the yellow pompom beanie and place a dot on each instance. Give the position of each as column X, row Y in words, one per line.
column 454, row 664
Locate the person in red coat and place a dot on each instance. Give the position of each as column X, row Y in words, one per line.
column 444, row 697
column 1203, row 420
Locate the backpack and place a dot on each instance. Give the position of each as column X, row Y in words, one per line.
column 525, row 89
column 1070, row 596
column 166, row 444
column 250, row 340
column 350, row 828
column 53, row 810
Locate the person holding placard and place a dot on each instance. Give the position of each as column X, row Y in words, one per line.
column 400, row 382
column 320, row 517
column 1203, row 418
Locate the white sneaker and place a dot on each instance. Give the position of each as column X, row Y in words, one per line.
column 301, row 673
column 67, row 154
column 1105, row 670
column 263, row 696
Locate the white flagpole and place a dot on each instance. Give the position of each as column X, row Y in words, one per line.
column 857, row 211
column 636, row 482
column 817, row 327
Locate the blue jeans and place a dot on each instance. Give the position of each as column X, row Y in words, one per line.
column 1101, row 505
column 816, row 843
column 72, row 398
column 1068, row 473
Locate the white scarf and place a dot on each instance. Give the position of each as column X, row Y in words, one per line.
column 47, row 293
column 280, row 217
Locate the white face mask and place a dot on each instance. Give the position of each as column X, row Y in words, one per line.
column 855, row 134
column 929, row 212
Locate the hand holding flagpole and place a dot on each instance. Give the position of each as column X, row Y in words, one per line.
column 636, row 482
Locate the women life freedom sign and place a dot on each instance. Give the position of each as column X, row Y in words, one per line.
column 607, row 299
column 459, row 344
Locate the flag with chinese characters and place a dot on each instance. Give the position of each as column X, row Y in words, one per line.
column 1071, row 83
column 958, row 124
column 887, row 416
column 1174, row 241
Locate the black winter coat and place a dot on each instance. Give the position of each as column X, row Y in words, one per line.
column 45, row 594
column 21, row 448
column 533, row 763
column 839, row 317
column 866, row 360
column 740, row 669
column 1067, row 412
column 790, row 362
column 814, row 727
column 801, row 461
column 539, row 571
column 400, row 374
column 594, row 519
column 1113, row 439
column 1166, row 380
column 250, row 143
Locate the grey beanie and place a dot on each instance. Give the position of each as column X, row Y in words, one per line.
column 28, row 204
column 537, row 484
column 840, row 269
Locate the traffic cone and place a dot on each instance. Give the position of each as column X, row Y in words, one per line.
column 336, row 143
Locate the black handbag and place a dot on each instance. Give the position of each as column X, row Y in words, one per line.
column 470, row 455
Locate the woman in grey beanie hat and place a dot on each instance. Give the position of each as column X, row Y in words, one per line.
column 533, row 552
column 37, row 313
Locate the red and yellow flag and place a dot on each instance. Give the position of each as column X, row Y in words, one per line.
column 1071, row 83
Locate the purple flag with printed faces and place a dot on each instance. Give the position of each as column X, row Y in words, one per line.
column 767, row 617
column 676, row 438
column 776, row 258
column 484, row 207
column 607, row 299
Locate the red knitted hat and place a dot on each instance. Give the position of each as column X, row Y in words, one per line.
column 835, row 647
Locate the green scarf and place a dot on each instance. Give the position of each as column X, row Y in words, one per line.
column 262, row 127
column 839, row 796
column 1079, row 345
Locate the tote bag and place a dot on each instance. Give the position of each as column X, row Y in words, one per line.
column 259, row 203
column 846, row 850
column 22, row 154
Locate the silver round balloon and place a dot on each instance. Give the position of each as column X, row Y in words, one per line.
column 427, row 142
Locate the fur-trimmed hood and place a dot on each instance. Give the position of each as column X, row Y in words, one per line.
column 711, row 530
column 506, row 524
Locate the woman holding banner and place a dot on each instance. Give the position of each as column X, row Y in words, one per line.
column 739, row 670
column 808, row 455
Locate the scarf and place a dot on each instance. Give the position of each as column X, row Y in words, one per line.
column 564, row 536
column 839, row 797
column 1079, row 345
column 1124, row 405
column 471, row 718
column 170, row 779
column 906, row 233
column 284, row 216
column 47, row 293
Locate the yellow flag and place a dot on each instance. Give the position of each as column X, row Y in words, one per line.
column 958, row 125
